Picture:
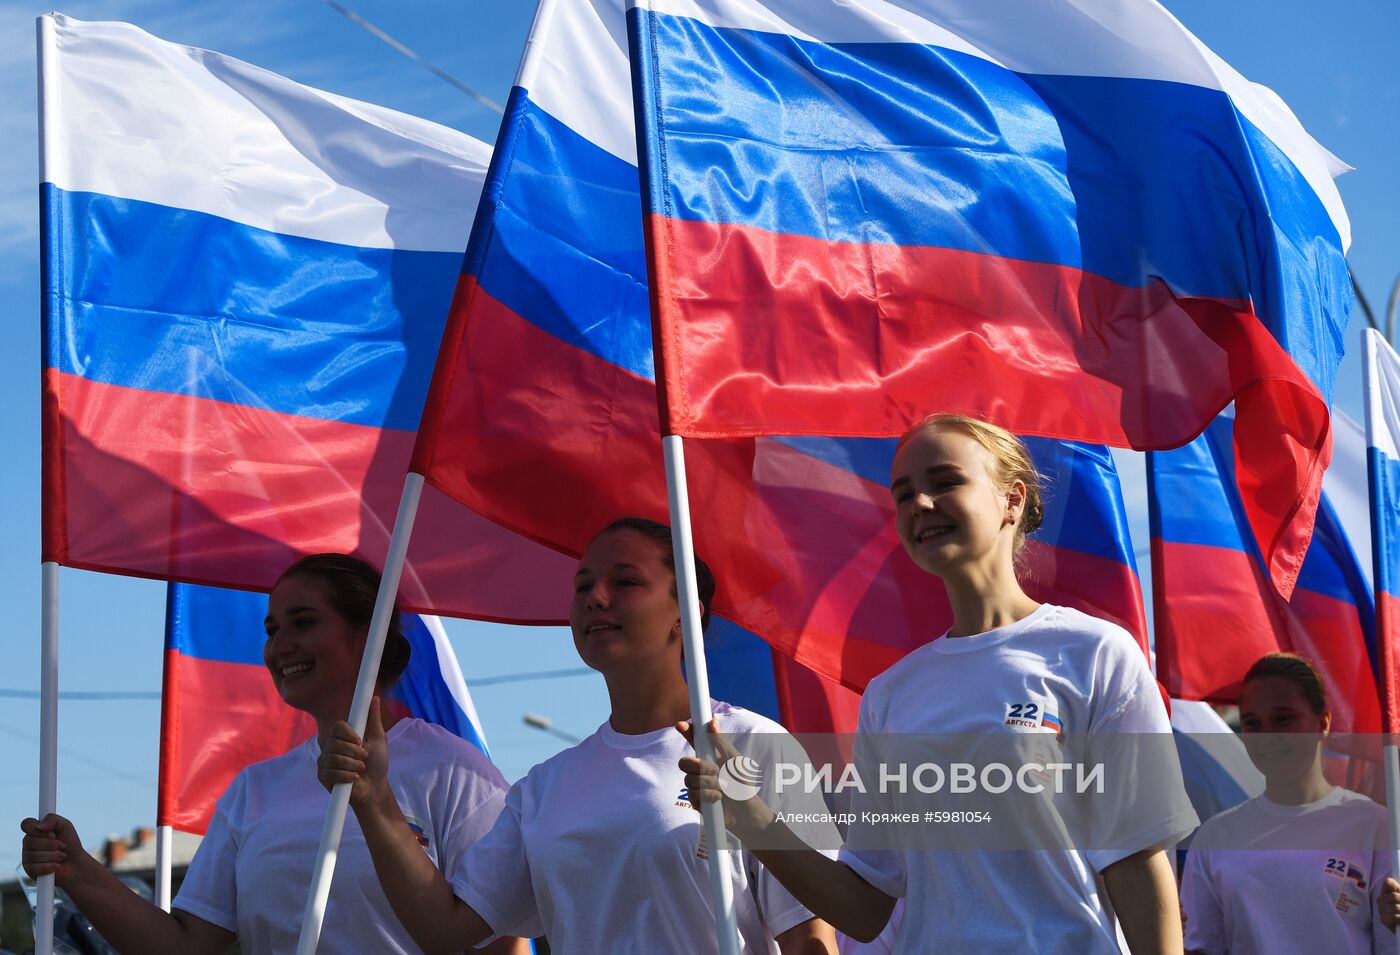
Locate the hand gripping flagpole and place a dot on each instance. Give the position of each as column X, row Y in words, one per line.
column 698, row 681
column 320, row 889
column 48, row 654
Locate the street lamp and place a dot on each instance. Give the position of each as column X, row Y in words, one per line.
column 545, row 725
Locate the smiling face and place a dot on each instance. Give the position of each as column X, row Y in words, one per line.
column 1281, row 732
column 624, row 610
column 951, row 512
column 312, row 652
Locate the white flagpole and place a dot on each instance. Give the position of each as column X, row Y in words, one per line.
column 698, row 679
column 1375, row 421
column 165, row 837
column 48, row 744
column 48, row 659
column 320, row 888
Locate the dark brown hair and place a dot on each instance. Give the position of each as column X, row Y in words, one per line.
column 352, row 586
column 661, row 535
column 1296, row 670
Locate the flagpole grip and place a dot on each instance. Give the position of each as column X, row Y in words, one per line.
column 319, row 891
column 698, row 683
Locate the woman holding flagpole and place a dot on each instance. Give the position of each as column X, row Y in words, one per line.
column 248, row 878
column 966, row 495
column 597, row 847
column 1305, row 866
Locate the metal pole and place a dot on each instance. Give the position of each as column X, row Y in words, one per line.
column 545, row 725
column 320, row 888
column 1361, row 300
column 1390, row 311
column 698, row 680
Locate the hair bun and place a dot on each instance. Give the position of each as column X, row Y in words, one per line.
column 1035, row 510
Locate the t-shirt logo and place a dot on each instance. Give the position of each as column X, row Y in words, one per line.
column 420, row 831
column 1034, row 716
column 683, row 800
column 1343, row 869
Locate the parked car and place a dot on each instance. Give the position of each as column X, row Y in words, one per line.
column 73, row 934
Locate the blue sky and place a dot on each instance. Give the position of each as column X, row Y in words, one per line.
column 1333, row 63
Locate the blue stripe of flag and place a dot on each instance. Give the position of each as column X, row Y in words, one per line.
column 1133, row 180
column 186, row 303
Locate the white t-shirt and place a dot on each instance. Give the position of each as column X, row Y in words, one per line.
column 251, row 873
column 1087, row 676
column 597, row 850
column 1248, row 890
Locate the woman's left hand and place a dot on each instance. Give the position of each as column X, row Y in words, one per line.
column 1388, row 905
column 345, row 758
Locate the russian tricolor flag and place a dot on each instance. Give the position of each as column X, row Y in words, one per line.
column 1383, row 468
column 798, row 530
column 220, row 711
column 1216, row 612
column 245, row 283
column 1076, row 221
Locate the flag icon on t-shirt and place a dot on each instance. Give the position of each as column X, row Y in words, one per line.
column 1051, row 722
column 419, row 833
column 1354, row 874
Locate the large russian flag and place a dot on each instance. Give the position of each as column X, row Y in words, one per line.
column 220, row 712
column 543, row 417
column 1075, row 221
column 1216, row 612
column 245, row 283
column 1383, row 470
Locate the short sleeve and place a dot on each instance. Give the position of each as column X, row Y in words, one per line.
column 210, row 889
column 470, row 812
column 493, row 876
column 1205, row 919
column 882, row 868
column 1145, row 801
column 781, row 910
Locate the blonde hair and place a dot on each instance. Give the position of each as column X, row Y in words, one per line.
column 1013, row 462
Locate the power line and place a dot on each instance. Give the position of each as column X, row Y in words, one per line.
column 79, row 757
column 521, row 677
column 98, row 695
column 83, row 695
column 422, row 61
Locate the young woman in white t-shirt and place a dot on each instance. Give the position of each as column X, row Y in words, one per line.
column 597, row 848
column 1304, row 867
column 966, row 494
column 248, row 879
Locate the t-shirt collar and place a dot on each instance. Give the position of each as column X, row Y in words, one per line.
column 611, row 737
column 1279, row 809
column 991, row 638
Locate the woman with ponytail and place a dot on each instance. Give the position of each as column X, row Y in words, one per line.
column 1303, row 867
